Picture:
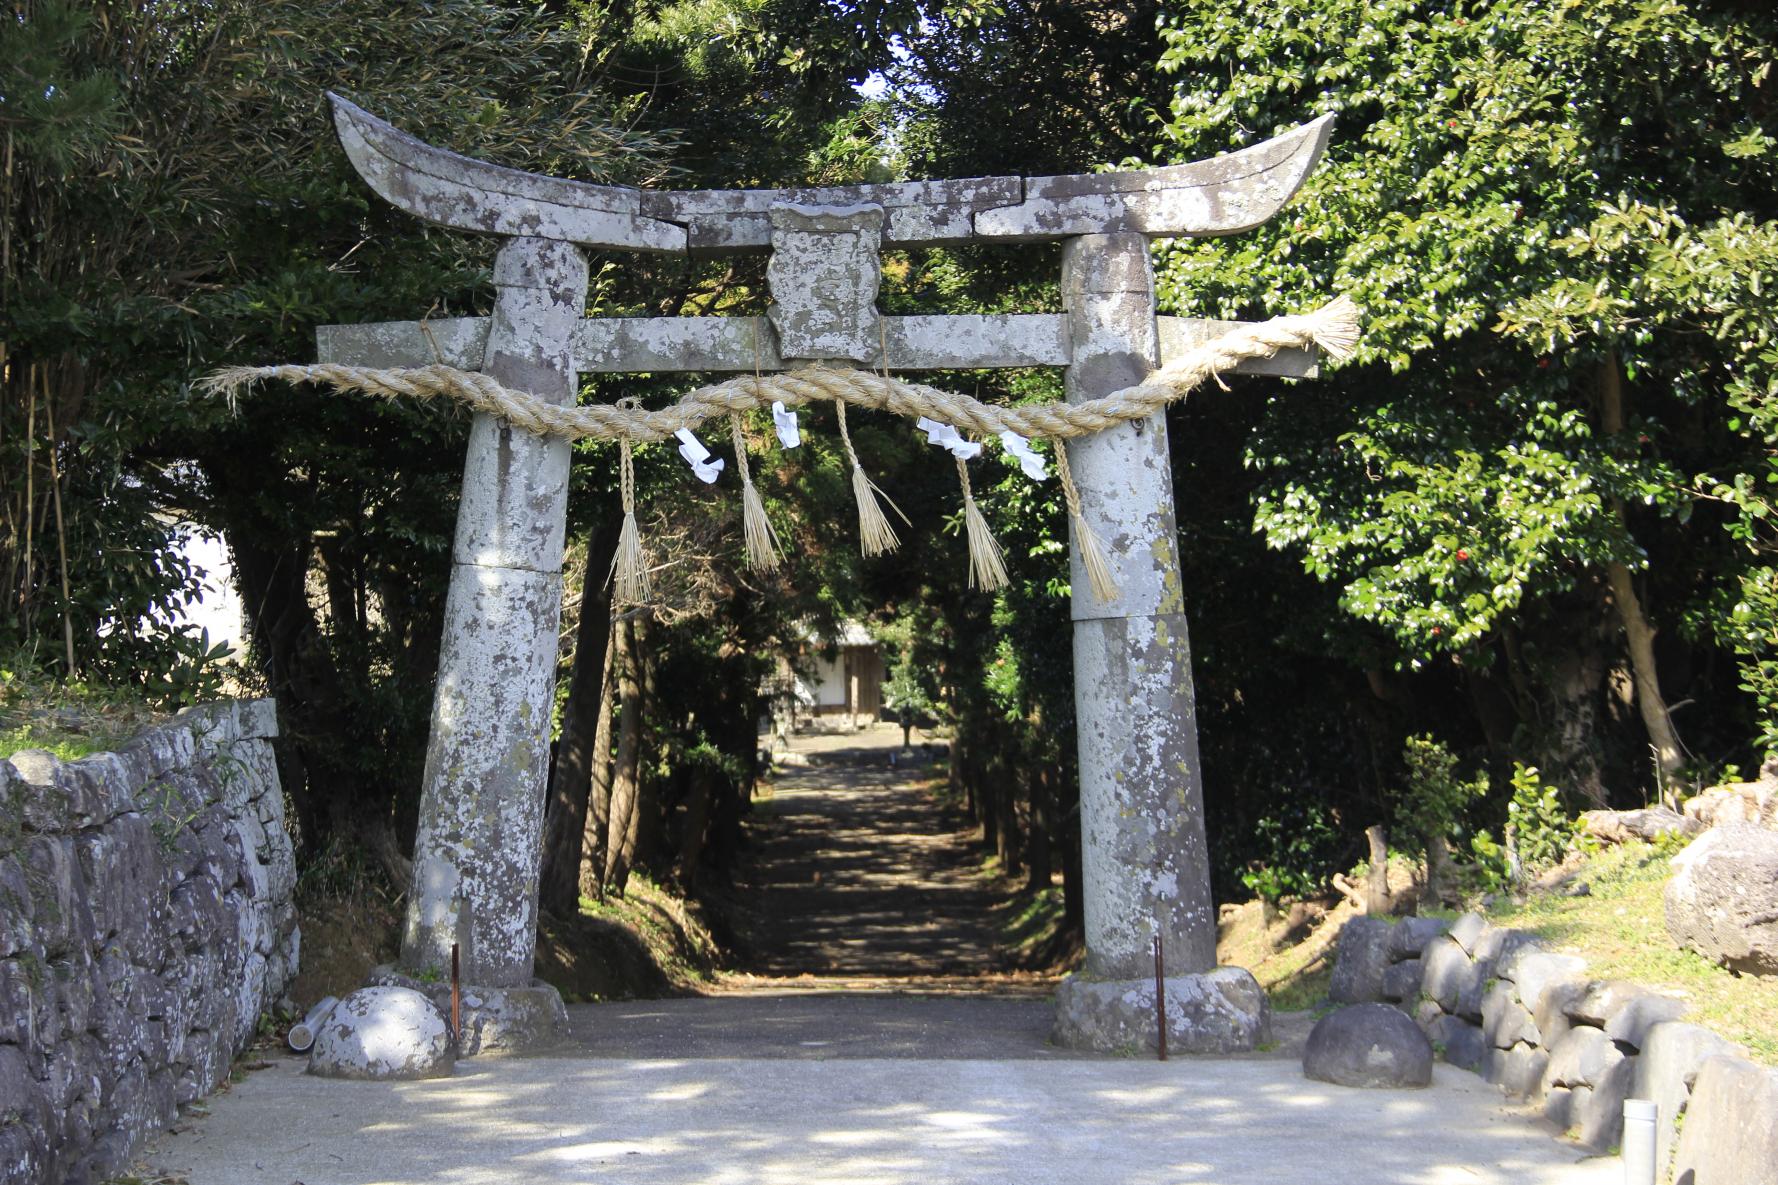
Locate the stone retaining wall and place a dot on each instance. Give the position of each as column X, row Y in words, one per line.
column 146, row 924
column 1497, row 1002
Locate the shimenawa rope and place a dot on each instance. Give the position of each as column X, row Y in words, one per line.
column 1333, row 328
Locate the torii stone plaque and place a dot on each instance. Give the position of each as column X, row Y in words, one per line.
column 478, row 848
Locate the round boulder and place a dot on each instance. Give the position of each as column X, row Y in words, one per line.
column 383, row 1032
column 1368, row 1045
column 1723, row 900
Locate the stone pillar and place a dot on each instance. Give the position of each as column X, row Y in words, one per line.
column 478, row 848
column 1144, row 860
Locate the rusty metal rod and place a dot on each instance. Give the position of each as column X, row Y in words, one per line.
column 1160, row 995
column 456, row 998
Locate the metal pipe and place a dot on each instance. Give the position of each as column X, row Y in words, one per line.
column 1640, row 1117
column 456, row 996
column 302, row 1033
column 1160, row 995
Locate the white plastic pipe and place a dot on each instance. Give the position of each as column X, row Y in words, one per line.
column 302, row 1033
column 1640, row 1117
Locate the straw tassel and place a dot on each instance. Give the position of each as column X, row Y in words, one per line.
column 1334, row 327
column 762, row 539
column 630, row 565
column 1092, row 554
column 987, row 568
column 875, row 535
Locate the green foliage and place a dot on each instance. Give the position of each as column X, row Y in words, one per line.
column 1525, row 196
column 1543, row 833
column 63, row 748
column 909, row 686
column 1044, row 86
column 212, row 219
column 1544, row 829
column 1434, row 799
column 1296, row 857
column 1751, row 626
column 64, row 117
column 170, row 815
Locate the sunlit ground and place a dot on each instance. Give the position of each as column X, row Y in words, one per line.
column 868, row 1122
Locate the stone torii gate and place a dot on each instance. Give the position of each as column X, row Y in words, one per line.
column 1146, row 869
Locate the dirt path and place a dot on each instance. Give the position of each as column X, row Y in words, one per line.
column 860, row 880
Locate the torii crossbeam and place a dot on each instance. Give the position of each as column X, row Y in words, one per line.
column 1146, row 869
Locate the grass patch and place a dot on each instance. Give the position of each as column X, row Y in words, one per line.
column 1297, row 985
column 1034, row 933
column 351, row 921
column 69, row 719
column 1295, row 976
column 943, row 792
column 1620, row 929
column 63, row 746
column 658, row 943
column 1035, row 914
column 647, row 943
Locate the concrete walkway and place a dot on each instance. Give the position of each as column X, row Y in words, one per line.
column 866, row 1121
column 878, row 1045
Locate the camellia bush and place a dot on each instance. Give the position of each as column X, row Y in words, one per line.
column 1554, row 446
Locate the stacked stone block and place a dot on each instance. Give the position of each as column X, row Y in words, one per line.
column 1380, row 960
column 1497, row 1002
column 146, row 924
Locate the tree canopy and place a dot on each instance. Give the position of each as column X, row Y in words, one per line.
column 1532, row 518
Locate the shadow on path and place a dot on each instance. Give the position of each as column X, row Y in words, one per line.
column 860, row 879
column 871, row 928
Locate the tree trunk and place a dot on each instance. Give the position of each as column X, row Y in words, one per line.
column 1438, row 856
column 1073, row 886
column 275, row 605
column 955, row 777
column 1377, row 901
column 598, row 816
column 1037, row 839
column 571, row 779
column 1669, row 754
column 318, row 725
column 984, row 791
column 1008, row 841
column 626, row 782
column 648, row 824
column 697, row 820
column 739, row 730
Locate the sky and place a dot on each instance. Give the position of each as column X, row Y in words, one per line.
column 218, row 610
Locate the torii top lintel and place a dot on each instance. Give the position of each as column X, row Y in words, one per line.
column 1223, row 195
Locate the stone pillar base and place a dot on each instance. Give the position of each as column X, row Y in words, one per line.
column 495, row 1020
column 1220, row 1011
